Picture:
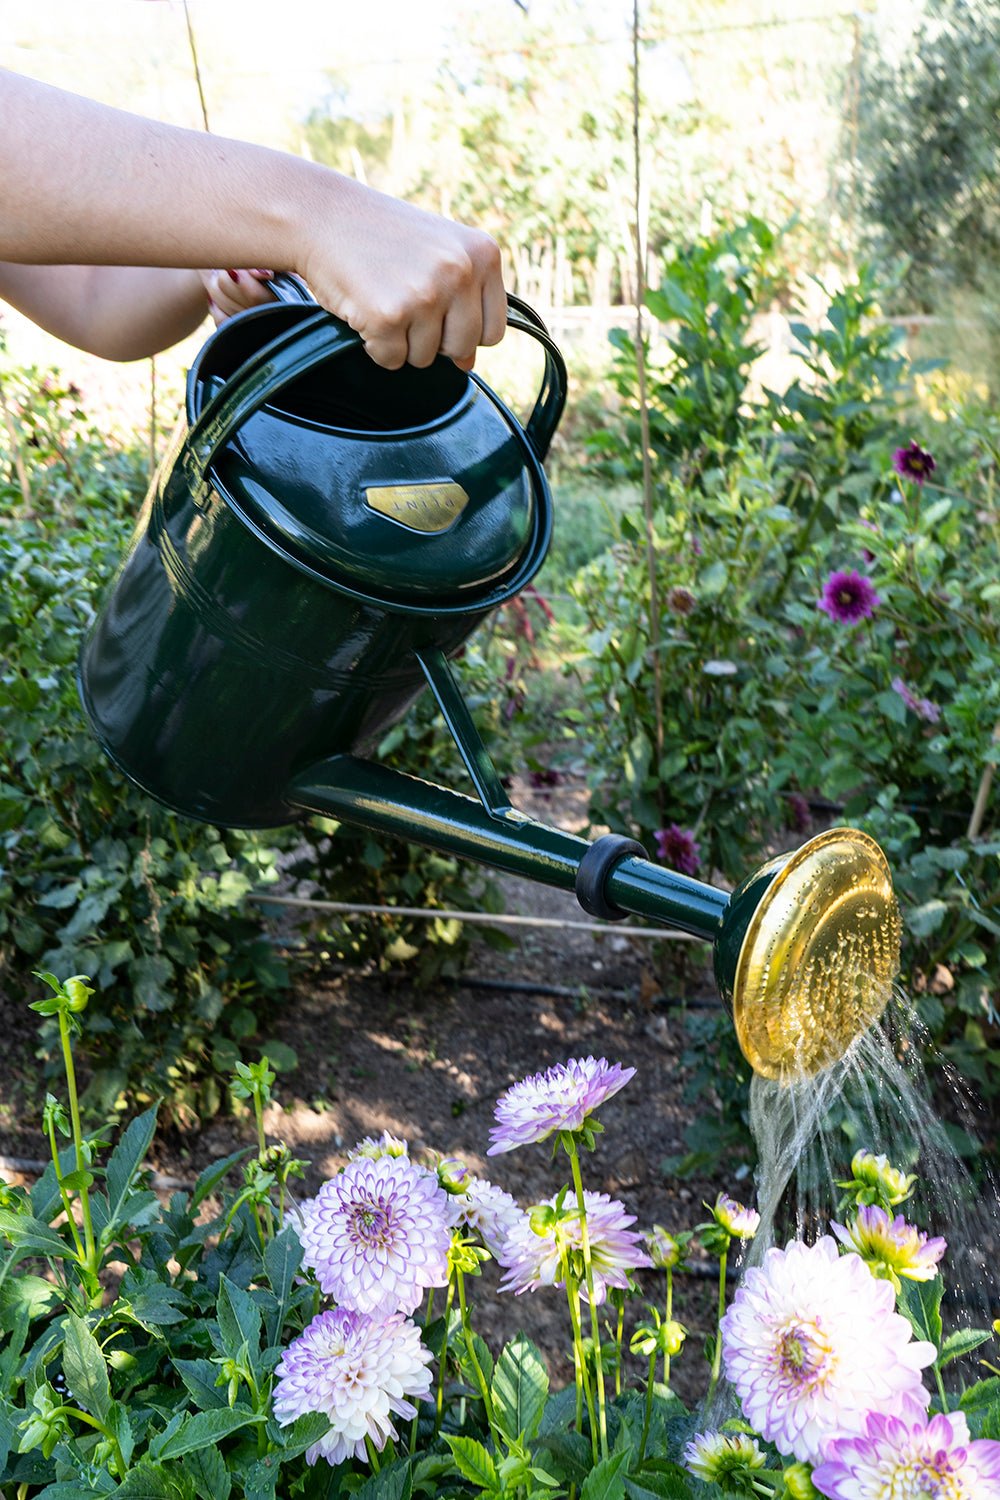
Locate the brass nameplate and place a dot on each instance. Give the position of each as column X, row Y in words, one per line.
column 422, row 507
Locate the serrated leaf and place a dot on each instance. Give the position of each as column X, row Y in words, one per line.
column 392, row 1483
column 282, row 1259
column 147, row 1482
column 519, row 1389
column 239, row 1320
column 300, row 1434
column 85, row 1368
column 199, row 1376
column 606, row 1481
column 209, row 1179
column 29, row 1235
column 920, row 1303
column 962, row 1341
column 203, row 1429
column 124, row 1163
column 208, row 1473
column 473, row 1461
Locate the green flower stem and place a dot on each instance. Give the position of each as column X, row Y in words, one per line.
column 940, row 1385
column 90, row 1262
column 669, row 1318
column 583, row 1391
column 484, row 1389
column 84, row 1416
column 588, row 1267
column 439, row 1411
column 414, row 1426
column 648, row 1411
column 619, row 1335
column 717, row 1356
column 67, row 1201
column 372, row 1454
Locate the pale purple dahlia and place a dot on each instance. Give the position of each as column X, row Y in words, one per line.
column 533, row 1256
column 378, row 1235
column 812, row 1343
column 922, row 707
column 559, row 1099
column 891, row 1247
column 357, row 1371
column 893, row 1458
column 490, row 1211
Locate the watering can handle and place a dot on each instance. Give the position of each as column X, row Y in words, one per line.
column 320, row 337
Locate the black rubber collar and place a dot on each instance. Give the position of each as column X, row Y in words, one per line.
column 596, row 865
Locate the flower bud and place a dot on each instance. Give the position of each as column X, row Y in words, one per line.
column 665, row 1251
column 798, row 1482
column 453, row 1175
column 77, row 992
column 738, row 1222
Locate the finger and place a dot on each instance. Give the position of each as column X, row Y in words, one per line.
column 425, row 339
column 461, row 332
column 494, row 311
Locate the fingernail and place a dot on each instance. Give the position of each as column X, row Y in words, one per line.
column 234, row 274
column 263, row 275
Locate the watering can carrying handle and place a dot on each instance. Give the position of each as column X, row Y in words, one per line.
column 320, row 337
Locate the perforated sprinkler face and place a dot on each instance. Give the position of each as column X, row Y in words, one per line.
column 819, row 957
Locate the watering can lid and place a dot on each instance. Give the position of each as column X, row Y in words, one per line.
column 414, row 489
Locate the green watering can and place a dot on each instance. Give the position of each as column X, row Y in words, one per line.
column 321, row 537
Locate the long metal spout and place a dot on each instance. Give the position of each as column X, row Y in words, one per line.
column 805, row 950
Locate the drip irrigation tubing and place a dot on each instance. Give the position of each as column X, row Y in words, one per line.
column 481, row 918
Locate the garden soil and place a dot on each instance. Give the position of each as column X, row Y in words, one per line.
column 374, row 1054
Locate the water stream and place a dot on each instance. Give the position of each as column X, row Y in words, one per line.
column 878, row 1098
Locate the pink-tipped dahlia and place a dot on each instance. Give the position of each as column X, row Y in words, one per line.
column 534, row 1251
column 359, row 1372
column 812, row 1343
column 559, row 1099
column 378, row 1235
column 894, row 1459
column 891, row 1247
column 737, row 1220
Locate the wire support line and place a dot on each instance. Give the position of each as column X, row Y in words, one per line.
column 482, row 918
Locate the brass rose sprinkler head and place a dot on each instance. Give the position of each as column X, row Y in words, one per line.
column 818, row 951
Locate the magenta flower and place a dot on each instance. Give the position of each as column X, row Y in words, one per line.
column 913, row 463
column 677, row 848
column 357, row 1371
column 891, row 1247
column 922, row 707
column 799, row 813
column 535, row 1249
column 812, row 1343
column 848, row 598
column 893, row 1458
column 378, row 1235
column 559, row 1099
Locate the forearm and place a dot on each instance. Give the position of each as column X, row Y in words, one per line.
column 83, row 184
column 117, row 312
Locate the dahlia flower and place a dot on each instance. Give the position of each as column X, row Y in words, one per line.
column 357, row 1371
column 677, row 848
column 378, row 1235
column 913, row 463
column 891, row 1248
column 373, row 1147
column 848, row 598
column 893, row 1458
column 666, row 1251
column 534, row 1250
column 739, row 1222
column 718, row 1457
column 559, row 1099
column 812, row 1343
column 490, row 1211
column 924, row 708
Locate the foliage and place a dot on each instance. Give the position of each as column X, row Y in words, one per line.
column 927, row 150
column 94, row 875
column 778, row 714
column 163, row 1383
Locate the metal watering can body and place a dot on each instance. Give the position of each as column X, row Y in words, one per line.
column 316, row 523
column 321, row 537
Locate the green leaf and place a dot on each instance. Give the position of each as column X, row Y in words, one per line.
column 392, row 1483
column 473, row 1461
column 208, row 1473
column 606, row 1481
column 202, row 1430
column 300, row 1434
column 661, row 1481
column 199, row 1376
column 210, row 1178
column 282, row 1259
column 239, row 1320
column 147, row 1482
column 962, row 1341
column 84, row 1367
column 29, row 1236
column 124, row 1163
column 520, row 1386
column 920, row 1303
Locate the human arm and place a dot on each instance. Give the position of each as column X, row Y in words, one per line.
column 83, row 184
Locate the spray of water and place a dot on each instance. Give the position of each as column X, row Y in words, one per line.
column 878, row 1097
